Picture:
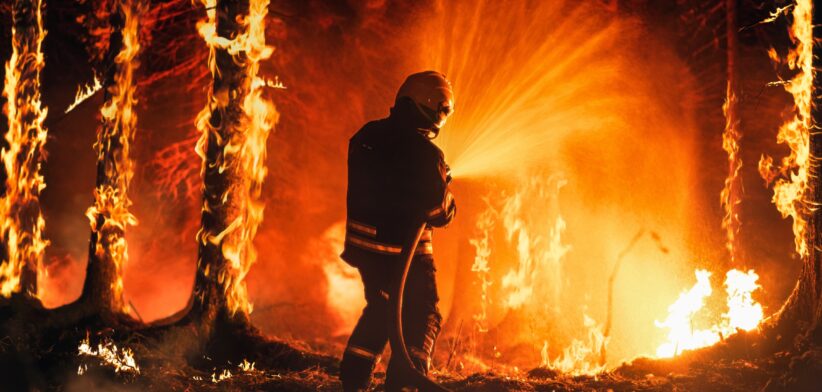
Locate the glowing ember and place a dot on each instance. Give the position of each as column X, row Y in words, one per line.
column 743, row 313
column 243, row 153
column 121, row 359
column 20, row 216
column 84, row 93
column 789, row 193
column 109, row 217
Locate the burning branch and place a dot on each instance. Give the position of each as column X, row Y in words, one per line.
column 20, row 216
column 109, row 216
column 234, row 127
column 84, row 93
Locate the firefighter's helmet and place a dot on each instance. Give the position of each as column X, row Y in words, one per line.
column 431, row 93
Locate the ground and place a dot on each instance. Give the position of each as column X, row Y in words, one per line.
column 709, row 370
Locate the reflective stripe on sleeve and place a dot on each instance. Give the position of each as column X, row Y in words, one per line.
column 425, row 247
column 362, row 228
column 441, row 210
column 361, row 352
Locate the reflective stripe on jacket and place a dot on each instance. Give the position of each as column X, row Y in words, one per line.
column 363, row 236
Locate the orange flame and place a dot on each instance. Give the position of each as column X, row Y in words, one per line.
column 22, row 221
column 730, row 195
column 84, row 93
column 246, row 154
column 581, row 356
column 114, row 138
column 540, row 258
column 482, row 247
column 108, row 354
column 789, row 193
column 743, row 313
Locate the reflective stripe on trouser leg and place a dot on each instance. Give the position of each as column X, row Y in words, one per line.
column 363, row 353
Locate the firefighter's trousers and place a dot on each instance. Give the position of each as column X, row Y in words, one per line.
column 421, row 322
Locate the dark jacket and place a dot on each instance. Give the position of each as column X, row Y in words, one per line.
column 396, row 178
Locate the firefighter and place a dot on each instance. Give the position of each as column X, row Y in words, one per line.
column 397, row 178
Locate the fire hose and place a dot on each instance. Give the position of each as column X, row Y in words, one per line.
column 395, row 335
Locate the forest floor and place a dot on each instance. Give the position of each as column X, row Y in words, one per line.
column 162, row 369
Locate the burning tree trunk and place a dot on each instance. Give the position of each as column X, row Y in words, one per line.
column 234, row 124
column 109, row 216
column 805, row 303
column 800, row 196
column 732, row 192
column 20, row 216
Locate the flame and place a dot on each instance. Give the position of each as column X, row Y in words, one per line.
column 730, row 197
column 246, row 366
column 109, row 216
column 481, row 267
column 581, row 356
column 84, row 93
column 540, row 258
column 789, row 193
column 121, row 359
column 244, row 152
column 224, row 375
column 743, row 313
column 20, row 216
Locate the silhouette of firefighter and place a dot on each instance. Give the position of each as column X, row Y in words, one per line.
column 397, row 178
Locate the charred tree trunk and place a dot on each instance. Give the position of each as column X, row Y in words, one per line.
column 109, row 216
column 22, row 222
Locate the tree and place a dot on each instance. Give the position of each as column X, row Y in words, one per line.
column 235, row 124
column 803, row 309
column 21, row 220
column 109, row 216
